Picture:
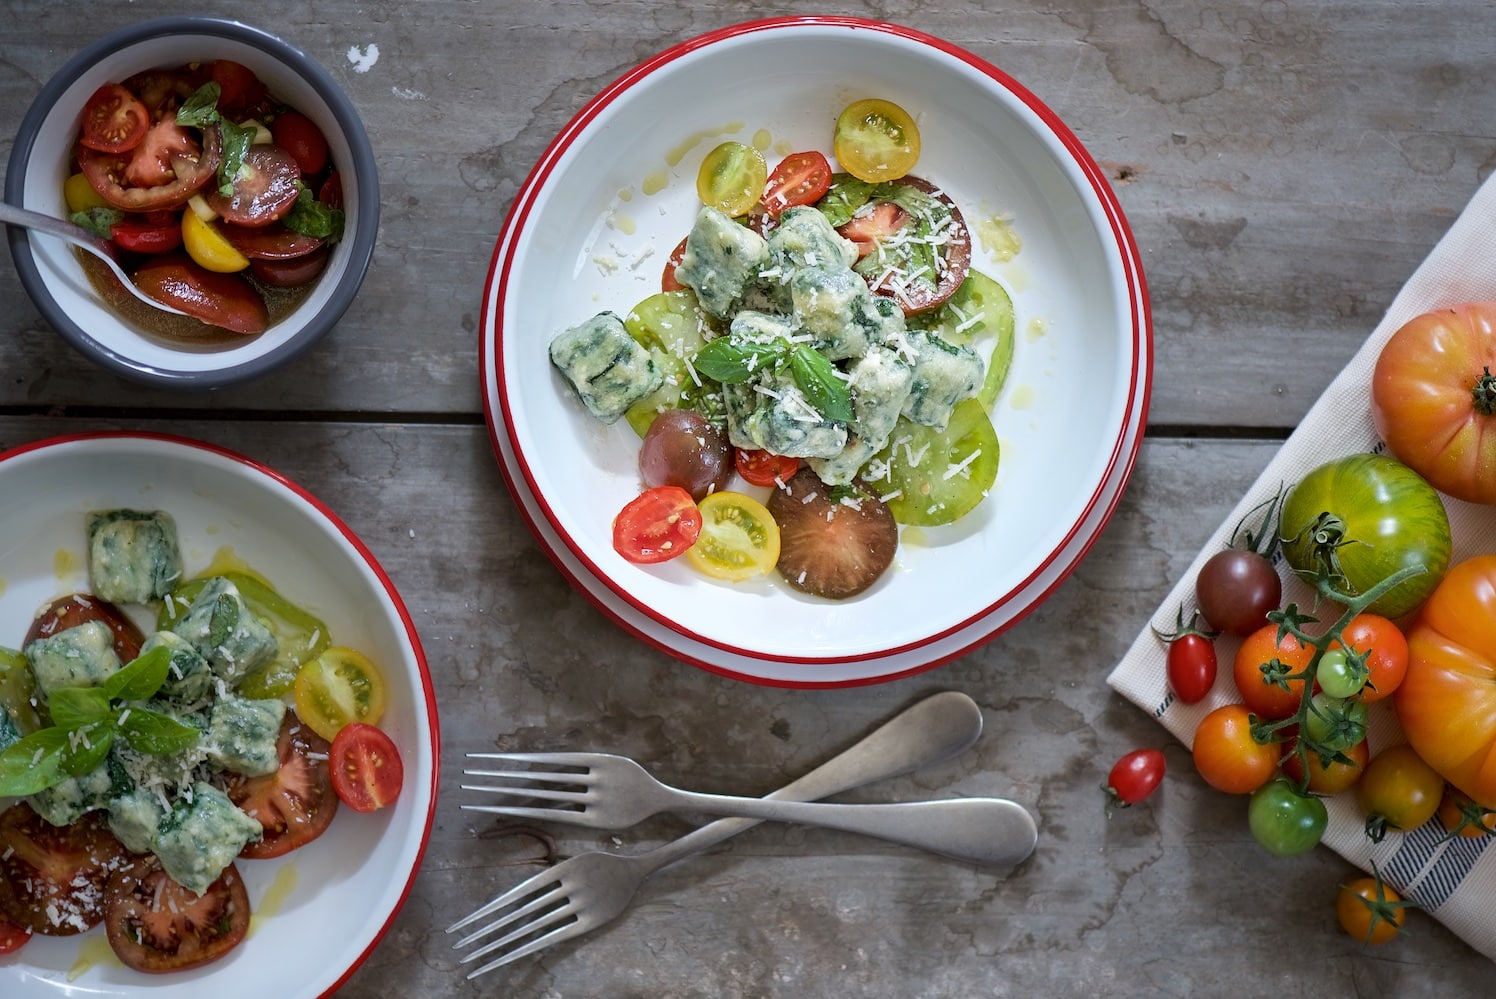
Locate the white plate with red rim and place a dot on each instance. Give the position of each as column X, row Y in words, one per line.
column 321, row 909
column 615, row 191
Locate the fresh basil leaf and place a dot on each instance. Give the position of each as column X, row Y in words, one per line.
column 75, row 707
column 201, row 109
column 88, row 748
column 729, row 361
column 311, row 217
column 820, row 382
column 223, row 620
column 33, row 764
column 154, row 733
column 236, row 143
column 845, row 196
column 140, row 678
column 98, row 220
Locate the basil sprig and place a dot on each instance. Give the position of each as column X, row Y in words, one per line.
column 86, row 721
column 731, row 361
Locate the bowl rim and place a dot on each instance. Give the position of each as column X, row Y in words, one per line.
column 202, row 450
column 1124, row 449
column 364, row 166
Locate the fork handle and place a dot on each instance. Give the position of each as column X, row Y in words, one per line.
column 989, row 831
column 928, row 732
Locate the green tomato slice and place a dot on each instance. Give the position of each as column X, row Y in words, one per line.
column 18, row 692
column 938, row 476
column 673, row 327
column 980, row 308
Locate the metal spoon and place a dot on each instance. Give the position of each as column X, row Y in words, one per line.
column 82, row 238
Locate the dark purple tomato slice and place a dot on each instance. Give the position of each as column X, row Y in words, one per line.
column 271, row 242
column 224, row 300
column 264, row 190
column 292, row 272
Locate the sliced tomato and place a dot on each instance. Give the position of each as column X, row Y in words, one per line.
column 739, row 538
column 657, row 525
column 299, row 135
column 156, row 925
column 52, row 877
column 331, row 191
column 667, row 280
column 953, row 249
column 153, row 232
column 340, row 686
column 264, row 189
column 162, row 91
column 798, row 179
column 366, row 770
column 152, row 162
column 114, row 120
column 12, row 937
column 868, row 229
column 239, row 89
column 271, row 242
column 763, row 468
column 291, row 273
column 224, row 300
column 183, row 175
column 293, row 805
column 80, row 608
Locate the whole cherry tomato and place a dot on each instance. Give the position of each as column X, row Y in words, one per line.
column 1385, row 649
column 1226, row 754
column 1191, row 660
column 1236, row 588
column 1134, row 777
column 1433, row 398
column 1369, row 910
column 1274, row 696
column 1326, row 778
column 1399, row 790
column 1284, row 821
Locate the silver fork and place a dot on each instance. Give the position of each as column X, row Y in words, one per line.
column 591, row 889
column 603, row 791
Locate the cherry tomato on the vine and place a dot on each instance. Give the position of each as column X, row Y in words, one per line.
column 1266, row 696
column 1461, row 815
column 1385, row 647
column 1284, row 821
column 1134, row 777
column 1334, row 723
column 1338, row 675
column 1236, row 588
column 1398, row 790
column 1326, row 777
column 1227, row 755
column 1370, row 910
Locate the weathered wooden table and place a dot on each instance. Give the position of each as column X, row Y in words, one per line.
column 1284, row 167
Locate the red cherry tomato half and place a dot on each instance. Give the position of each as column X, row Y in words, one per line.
column 224, row 300
column 657, row 525
column 12, row 937
column 154, row 232
column 271, row 242
column 799, row 179
column 239, row 88
column 761, row 468
column 1135, row 776
column 366, row 770
column 331, row 191
column 114, row 120
column 298, row 135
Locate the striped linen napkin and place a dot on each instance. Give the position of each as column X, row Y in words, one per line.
column 1453, row 879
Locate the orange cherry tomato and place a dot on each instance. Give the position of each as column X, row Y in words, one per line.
column 1331, row 778
column 1267, row 699
column 1447, row 701
column 1386, row 650
column 1370, row 910
column 1462, row 817
column 1227, row 756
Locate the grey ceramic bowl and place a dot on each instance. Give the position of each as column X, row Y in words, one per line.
column 39, row 161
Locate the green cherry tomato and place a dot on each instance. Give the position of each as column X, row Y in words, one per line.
column 1334, row 723
column 1339, row 675
column 1284, row 821
column 731, row 178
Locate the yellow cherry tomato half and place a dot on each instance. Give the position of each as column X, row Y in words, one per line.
column 732, row 178
column 209, row 247
column 876, row 140
column 738, row 539
column 340, row 686
column 80, row 194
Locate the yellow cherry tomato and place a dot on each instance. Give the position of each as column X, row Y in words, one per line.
column 340, row 686
column 738, row 539
column 876, row 140
column 80, row 194
column 732, row 178
column 209, row 247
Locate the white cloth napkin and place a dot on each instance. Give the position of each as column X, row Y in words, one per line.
column 1454, row 880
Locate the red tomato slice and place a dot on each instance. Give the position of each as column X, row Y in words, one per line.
column 156, row 925
column 264, row 190
column 239, row 89
column 366, row 770
column 869, row 229
column 271, row 242
column 184, row 174
column 80, row 608
column 798, row 179
column 290, row 273
column 152, row 162
column 885, row 219
column 657, row 525
column 12, row 937
column 52, row 877
column 667, row 280
column 114, row 120
column 762, row 468
column 224, row 300
column 298, row 135
column 154, row 232
column 295, row 804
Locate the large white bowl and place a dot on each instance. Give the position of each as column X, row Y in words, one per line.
column 590, row 230
column 326, row 905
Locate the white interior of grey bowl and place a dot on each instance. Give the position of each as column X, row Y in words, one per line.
column 47, row 168
column 355, row 875
column 594, row 240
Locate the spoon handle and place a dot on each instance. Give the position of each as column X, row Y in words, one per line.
column 60, row 228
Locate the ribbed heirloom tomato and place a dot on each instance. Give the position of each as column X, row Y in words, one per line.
column 1447, row 701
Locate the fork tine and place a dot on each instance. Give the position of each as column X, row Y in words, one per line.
column 559, row 759
column 551, row 895
column 518, row 812
column 541, row 776
column 560, row 933
column 544, row 793
column 542, row 881
column 564, row 909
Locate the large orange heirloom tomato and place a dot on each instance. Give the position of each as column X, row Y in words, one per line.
column 1433, row 398
column 1447, row 702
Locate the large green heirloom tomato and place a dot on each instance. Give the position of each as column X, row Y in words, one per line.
column 1362, row 518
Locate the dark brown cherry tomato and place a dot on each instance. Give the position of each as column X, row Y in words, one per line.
column 80, row 608
column 1236, row 588
column 295, row 804
column 52, row 877
column 224, row 300
column 264, row 190
column 683, row 448
column 156, row 925
column 114, row 120
column 162, row 91
column 290, row 273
